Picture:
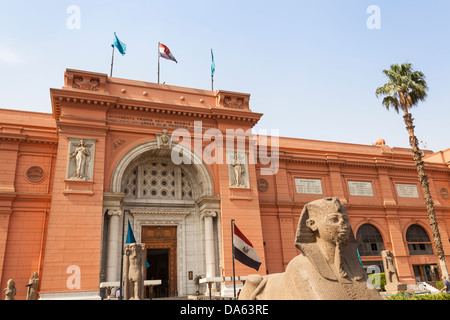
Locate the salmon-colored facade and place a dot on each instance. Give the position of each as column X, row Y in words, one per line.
column 161, row 157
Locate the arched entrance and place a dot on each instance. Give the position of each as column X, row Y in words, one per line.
column 171, row 209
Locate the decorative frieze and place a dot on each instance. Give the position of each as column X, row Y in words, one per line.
column 85, row 80
column 232, row 100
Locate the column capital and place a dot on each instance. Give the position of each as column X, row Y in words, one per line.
column 113, row 212
column 208, row 214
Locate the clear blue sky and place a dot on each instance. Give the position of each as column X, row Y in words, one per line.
column 311, row 67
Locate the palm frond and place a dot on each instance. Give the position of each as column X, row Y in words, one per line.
column 391, row 101
column 404, row 83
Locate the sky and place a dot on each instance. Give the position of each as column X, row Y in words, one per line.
column 311, row 67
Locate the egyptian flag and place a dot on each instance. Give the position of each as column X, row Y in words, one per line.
column 244, row 251
column 165, row 53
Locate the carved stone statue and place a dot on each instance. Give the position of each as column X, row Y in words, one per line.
column 10, row 290
column 238, row 171
column 80, row 154
column 134, row 268
column 327, row 269
column 164, row 139
column 392, row 282
column 33, row 285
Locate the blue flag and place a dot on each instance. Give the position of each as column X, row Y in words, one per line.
column 359, row 257
column 213, row 64
column 122, row 47
column 130, row 235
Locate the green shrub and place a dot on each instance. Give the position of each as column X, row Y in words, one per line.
column 401, row 296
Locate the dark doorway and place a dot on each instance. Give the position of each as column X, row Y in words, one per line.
column 158, row 259
column 426, row 272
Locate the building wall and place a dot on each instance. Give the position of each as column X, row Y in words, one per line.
column 27, row 141
column 335, row 164
column 54, row 225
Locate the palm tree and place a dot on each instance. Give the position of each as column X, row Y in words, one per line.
column 405, row 89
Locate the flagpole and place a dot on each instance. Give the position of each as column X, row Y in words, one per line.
column 112, row 59
column 158, row 62
column 232, row 244
column 121, row 257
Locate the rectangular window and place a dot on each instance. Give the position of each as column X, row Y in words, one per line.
column 416, row 249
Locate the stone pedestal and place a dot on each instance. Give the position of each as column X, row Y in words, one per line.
column 394, row 288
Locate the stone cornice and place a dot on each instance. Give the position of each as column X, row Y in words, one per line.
column 366, row 163
column 21, row 138
column 93, row 90
column 351, row 205
column 116, row 103
column 161, row 211
column 81, row 128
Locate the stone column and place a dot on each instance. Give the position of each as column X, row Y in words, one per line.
column 112, row 263
column 111, row 204
column 209, row 244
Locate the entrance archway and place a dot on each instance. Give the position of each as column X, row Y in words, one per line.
column 157, row 194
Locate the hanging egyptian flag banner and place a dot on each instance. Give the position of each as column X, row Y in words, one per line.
column 165, row 53
column 244, row 251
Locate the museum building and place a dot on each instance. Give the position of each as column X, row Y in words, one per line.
column 179, row 164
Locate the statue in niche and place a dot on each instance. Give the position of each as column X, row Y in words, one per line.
column 392, row 282
column 238, row 172
column 327, row 269
column 134, row 271
column 81, row 155
column 10, row 290
column 32, row 285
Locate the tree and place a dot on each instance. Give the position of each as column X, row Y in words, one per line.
column 405, row 89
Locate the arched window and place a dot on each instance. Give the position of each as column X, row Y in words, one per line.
column 418, row 241
column 157, row 179
column 371, row 241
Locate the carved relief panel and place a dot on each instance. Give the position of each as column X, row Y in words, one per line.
column 80, row 159
column 238, row 169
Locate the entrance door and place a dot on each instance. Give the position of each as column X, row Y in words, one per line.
column 161, row 245
column 159, row 270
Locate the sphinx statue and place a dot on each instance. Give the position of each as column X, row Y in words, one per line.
column 327, row 269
